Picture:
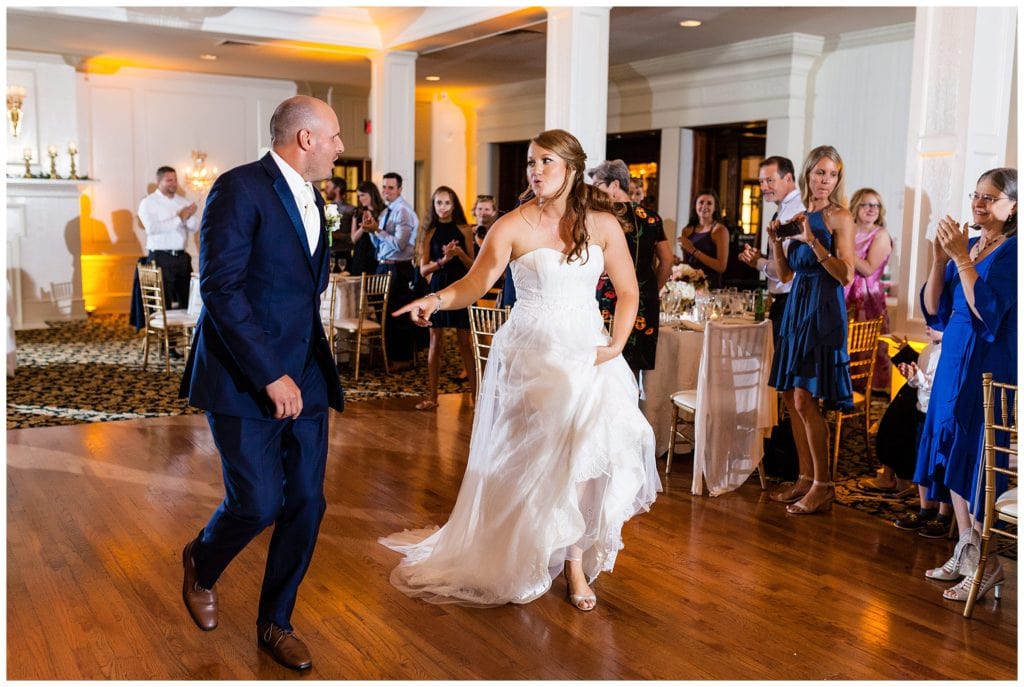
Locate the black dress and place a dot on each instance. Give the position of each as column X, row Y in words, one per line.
column 451, row 272
column 705, row 244
column 642, row 344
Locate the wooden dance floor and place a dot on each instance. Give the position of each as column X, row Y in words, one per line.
column 724, row 588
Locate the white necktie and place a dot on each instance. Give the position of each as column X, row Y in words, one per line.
column 310, row 218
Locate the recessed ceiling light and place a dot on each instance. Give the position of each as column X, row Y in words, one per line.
column 690, row 23
column 208, row 56
column 433, row 78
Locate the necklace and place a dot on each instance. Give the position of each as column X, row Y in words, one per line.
column 983, row 245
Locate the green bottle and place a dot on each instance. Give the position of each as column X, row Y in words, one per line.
column 759, row 306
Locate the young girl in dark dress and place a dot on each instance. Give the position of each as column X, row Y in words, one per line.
column 446, row 254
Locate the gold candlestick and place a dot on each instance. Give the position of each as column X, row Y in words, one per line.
column 27, row 157
column 52, row 152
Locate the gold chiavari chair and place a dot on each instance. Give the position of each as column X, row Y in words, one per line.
column 483, row 323
column 862, row 344
column 159, row 320
column 1003, row 509
column 370, row 322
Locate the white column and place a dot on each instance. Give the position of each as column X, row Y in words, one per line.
column 448, row 143
column 576, row 93
column 668, row 180
column 959, row 115
column 393, row 116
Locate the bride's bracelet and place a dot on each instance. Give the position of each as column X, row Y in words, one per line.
column 439, row 301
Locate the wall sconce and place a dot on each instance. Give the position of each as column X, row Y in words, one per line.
column 198, row 177
column 15, row 98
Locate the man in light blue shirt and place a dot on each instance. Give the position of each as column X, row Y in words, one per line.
column 393, row 235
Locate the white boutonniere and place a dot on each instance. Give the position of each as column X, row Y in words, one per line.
column 333, row 219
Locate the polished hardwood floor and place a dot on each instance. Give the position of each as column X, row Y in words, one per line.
column 723, row 588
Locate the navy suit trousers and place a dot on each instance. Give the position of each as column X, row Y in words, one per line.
column 273, row 475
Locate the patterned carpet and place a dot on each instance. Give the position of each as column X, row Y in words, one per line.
column 91, row 371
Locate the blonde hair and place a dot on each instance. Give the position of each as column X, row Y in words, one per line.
column 855, row 204
column 838, row 194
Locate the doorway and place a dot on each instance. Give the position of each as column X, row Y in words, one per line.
column 726, row 158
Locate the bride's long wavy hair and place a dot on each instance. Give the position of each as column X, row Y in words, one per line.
column 581, row 197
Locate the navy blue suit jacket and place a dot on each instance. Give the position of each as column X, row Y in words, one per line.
column 261, row 297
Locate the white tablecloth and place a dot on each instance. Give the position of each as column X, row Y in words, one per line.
column 346, row 298
column 676, row 368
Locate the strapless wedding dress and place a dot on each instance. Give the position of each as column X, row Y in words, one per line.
column 560, row 453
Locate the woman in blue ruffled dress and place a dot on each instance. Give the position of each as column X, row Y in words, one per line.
column 812, row 362
column 971, row 296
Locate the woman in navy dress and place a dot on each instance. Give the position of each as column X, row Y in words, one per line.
column 446, row 254
column 812, row 362
column 971, row 295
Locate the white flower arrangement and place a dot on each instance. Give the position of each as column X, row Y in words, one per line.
column 333, row 219
column 680, row 291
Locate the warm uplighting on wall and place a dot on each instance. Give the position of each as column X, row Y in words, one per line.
column 15, row 99
column 198, row 177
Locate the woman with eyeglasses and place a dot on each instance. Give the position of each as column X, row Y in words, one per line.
column 865, row 300
column 971, row 296
column 865, row 297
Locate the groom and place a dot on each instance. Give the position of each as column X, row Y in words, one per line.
column 262, row 369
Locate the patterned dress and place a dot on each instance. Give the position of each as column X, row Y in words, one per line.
column 643, row 342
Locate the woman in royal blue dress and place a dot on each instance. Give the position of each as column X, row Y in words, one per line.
column 811, row 362
column 971, row 295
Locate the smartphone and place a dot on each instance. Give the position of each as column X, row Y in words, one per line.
column 793, row 228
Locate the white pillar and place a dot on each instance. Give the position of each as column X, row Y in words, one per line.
column 668, row 181
column 959, row 115
column 576, row 93
column 448, row 143
column 393, row 116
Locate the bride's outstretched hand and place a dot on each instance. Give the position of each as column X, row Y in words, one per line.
column 419, row 311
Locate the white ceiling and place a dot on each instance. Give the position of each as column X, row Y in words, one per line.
column 467, row 47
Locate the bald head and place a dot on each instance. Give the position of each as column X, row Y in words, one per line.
column 305, row 132
column 291, row 116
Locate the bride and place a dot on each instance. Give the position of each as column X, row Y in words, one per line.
column 560, row 455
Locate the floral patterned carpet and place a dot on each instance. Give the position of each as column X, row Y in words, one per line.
column 91, row 371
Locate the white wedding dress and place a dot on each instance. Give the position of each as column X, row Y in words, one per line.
column 560, row 454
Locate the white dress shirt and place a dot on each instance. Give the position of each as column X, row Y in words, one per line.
column 927, row 363
column 789, row 208
column 165, row 230
column 303, row 192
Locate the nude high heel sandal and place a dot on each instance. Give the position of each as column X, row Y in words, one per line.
column 825, row 506
column 583, row 602
column 790, row 494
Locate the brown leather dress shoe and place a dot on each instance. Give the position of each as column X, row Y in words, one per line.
column 201, row 603
column 284, row 646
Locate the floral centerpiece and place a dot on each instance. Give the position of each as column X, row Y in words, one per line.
column 333, row 219
column 680, row 291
